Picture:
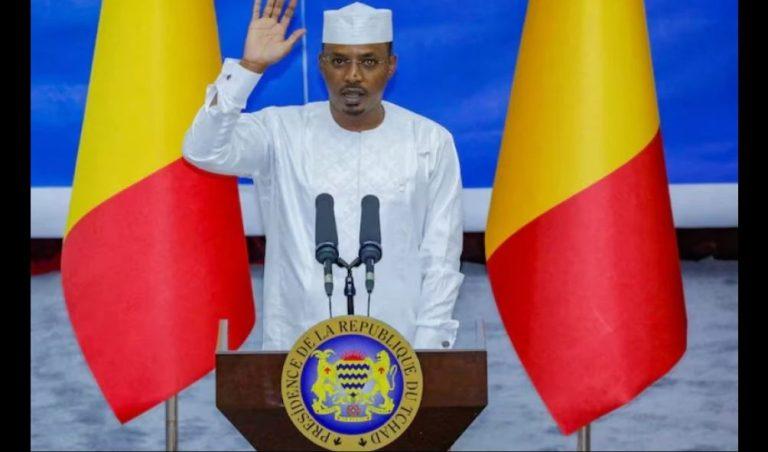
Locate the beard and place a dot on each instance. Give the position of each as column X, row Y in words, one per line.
column 352, row 109
column 355, row 110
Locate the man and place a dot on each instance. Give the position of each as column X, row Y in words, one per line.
column 353, row 145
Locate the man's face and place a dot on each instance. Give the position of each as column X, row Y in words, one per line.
column 356, row 75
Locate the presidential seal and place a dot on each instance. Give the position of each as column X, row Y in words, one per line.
column 351, row 383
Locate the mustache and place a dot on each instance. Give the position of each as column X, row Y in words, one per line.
column 353, row 90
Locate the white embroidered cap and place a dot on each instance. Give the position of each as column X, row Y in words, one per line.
column 357, row 23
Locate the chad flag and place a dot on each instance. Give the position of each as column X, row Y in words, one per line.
column 580, row 241
column 154, row 251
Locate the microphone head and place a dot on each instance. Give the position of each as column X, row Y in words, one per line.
column 326, row 239
column 370, row 226
column 370, row 229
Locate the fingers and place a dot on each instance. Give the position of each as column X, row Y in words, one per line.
column 256, row 8
column 295, row 36
column 277, row 9
column 268, row 9
column 286, row 19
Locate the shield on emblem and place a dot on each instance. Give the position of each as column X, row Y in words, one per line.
column 352, row 373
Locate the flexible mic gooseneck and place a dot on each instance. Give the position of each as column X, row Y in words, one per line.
column 326, row 238
column 370, row 238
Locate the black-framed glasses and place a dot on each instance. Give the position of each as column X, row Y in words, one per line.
column 339, row 62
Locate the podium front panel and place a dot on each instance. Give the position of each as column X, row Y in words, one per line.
column 248, row 393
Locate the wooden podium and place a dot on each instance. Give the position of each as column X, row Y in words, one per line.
column 455, row 392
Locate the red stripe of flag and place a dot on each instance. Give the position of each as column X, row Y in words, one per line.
column 143, row 299
column 590, row 292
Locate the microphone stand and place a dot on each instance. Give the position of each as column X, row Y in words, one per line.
column 349, row 291
column 349, row 283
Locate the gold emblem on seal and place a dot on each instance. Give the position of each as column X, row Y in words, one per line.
column 351, row 383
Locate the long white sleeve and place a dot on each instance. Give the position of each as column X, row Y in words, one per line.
column 221, row 139
column 440, row 252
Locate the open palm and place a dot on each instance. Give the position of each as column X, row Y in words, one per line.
column 266, row 43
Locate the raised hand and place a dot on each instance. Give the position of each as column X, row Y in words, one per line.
column 266, row 43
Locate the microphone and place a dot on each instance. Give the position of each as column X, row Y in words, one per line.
column 370, row 238
column 326, row 239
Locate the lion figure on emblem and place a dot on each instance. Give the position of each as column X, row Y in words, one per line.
column 383, row 376
column 325, row 385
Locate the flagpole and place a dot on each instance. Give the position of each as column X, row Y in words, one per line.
column 222, row 339
column 171, row 424
column 584, row 440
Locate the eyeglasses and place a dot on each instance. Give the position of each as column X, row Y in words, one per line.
column 338, row 62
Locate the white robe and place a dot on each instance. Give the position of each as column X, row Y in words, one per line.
column 295, row 153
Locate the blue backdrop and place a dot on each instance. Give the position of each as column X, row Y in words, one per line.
column 455, row 66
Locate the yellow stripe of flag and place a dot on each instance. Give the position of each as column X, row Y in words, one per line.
column 140, row 103
column 582, row 104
